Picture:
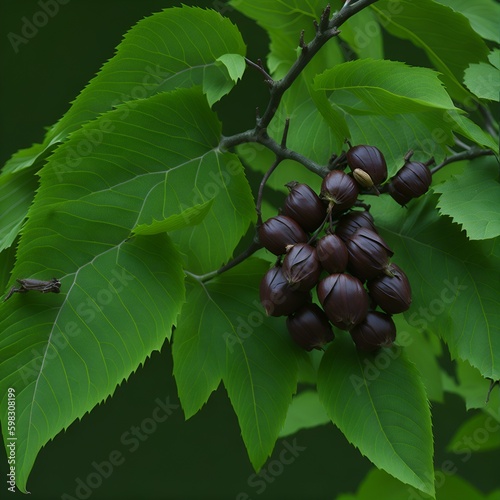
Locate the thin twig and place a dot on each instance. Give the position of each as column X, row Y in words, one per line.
column 284, row 153
column 252, row 248
column 260, row 68
column 469, row 154
column 258, row 204
column 279, row 159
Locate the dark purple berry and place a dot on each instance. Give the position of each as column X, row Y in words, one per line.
column 411, row 181
column 349, row 223
column 301, row 266
column 278, row 232
column 332, row 253
column 277, row 296
column 304, row 206
column 377, row 330
column 370, row 161
column 391, row 293
column 369, row 254
column 344, row 300
column 309, row 327
column 340, row 190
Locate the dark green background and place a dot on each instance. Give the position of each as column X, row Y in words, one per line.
column 203, row 458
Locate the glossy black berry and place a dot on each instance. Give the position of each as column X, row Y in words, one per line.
column 369, row 254
column 391, row 293
column 340, row 190
column 301, row 266
column 411, row 181
column 332, row 253
column 377, row 330
column 367, row 164
column 278, row 232
column 309, row 327
column 344, row 300
column 304, row 206
column 349, row 223
column 277, row 296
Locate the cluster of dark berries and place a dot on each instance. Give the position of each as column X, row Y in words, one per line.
column 326, row 242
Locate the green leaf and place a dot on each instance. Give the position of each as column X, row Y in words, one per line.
column 446, row 37
column 17, row 190
column 363, row 34
column 387, row 87
column 481, row 430
column 224, row 334
column 482, row 15
column 470, row 130
column 120, row 295
column 22, row 158
column 219, row 79
column 420, row 350
column 379, row 404
column 473, row 388
column 484, row 79
column 178, row 47
column 63, row 354
column 378, row 484
column 163, row 159
column 454, row 280
column 471, row 199
column 235, row 64
column 7, row 260
column 189, row 217
column 306, row 411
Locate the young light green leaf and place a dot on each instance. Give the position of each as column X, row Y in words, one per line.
column 379, row 404
column 454, row 280
column 479, row 433
column 305, row 412
column 223, row 333
column 471, row 199
column 171, row 49
column 235, row 64
column 219, row 79
column 386, row 87
column 446, row 37
column 483, row 16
